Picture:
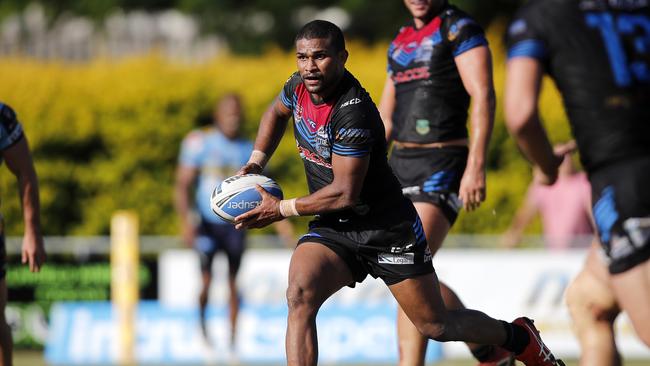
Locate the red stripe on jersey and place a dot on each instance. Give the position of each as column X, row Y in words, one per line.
column 409, row 37
column 312, row 115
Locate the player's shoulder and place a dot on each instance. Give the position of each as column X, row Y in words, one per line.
column 293, row 81
column 453, row 16
column 8, row 117
column 196, row 136
column 534, row 9
column 529, row 19
column 353, row 95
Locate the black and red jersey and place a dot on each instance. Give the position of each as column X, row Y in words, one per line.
column 346, row 124
column 598, row 53
column 430, row 99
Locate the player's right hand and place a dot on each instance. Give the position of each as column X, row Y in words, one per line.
column 250, row 168
column 189, row 234
column 33, row 251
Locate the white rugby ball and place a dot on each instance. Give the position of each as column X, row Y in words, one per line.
column 237, row 195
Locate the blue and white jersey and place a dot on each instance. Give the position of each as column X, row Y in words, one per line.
column 217, row 158
column 11, row 130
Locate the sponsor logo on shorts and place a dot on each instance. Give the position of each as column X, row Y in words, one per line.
column 411, row 191
column 427, row 255
column 388, row 258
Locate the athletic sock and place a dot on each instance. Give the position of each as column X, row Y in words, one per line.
column 483, row 353
column 517, row 337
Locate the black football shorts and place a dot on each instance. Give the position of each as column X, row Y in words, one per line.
column 393, row 248
column 431, row 175
column 621, row 208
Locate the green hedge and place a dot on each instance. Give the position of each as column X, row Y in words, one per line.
column 105, row 135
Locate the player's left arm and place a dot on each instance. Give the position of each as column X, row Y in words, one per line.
column 522, row 89
column 19, row 161
column 475, row 68
column 342, row 193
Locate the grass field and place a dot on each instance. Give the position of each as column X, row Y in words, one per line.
column 35, row 358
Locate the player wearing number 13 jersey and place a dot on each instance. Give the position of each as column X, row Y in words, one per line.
column 598, row 53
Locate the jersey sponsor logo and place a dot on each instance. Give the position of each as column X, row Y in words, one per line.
column 417, row 73
column 313, row 157
column 351, row 102
column 422, row 126
column 404, row 258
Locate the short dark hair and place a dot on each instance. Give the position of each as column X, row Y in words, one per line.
column 325, row 30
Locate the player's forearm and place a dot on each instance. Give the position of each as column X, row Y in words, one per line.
column 29, row 194
column 387, row 107
column 327, row 199
column 535, row 145
column 481, row 125
column 182, row 203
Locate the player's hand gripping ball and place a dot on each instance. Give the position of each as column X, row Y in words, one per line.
column 237, row 195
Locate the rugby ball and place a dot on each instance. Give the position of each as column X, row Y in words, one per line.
column 237, row 195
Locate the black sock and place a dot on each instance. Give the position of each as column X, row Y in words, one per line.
column 483, row 353
column 516, row 338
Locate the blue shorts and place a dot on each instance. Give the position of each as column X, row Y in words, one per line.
column 212, row 238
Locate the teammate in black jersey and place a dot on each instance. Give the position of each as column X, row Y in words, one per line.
column 435, row 63
column 363, row 225
column 16, row 154
column 598, row 53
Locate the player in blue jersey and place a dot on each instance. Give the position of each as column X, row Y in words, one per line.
column 207, row 157
column 363, row 224
column 598, row 53
column 435, row 64
column 17, row 156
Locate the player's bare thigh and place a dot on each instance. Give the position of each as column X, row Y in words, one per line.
column 435, row 224
column 317, row 272
column 632, row 289
column 590, row 296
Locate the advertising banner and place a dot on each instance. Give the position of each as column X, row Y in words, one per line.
column 505, row 284
column 86, row 333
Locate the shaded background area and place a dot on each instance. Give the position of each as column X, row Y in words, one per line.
column 250, row 26
column 107, row 89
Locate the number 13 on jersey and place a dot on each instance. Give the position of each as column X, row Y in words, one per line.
column 627, row 40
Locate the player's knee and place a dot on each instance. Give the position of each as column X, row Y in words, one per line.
column 575, row 299
column 433, row 330
column 301, row 299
